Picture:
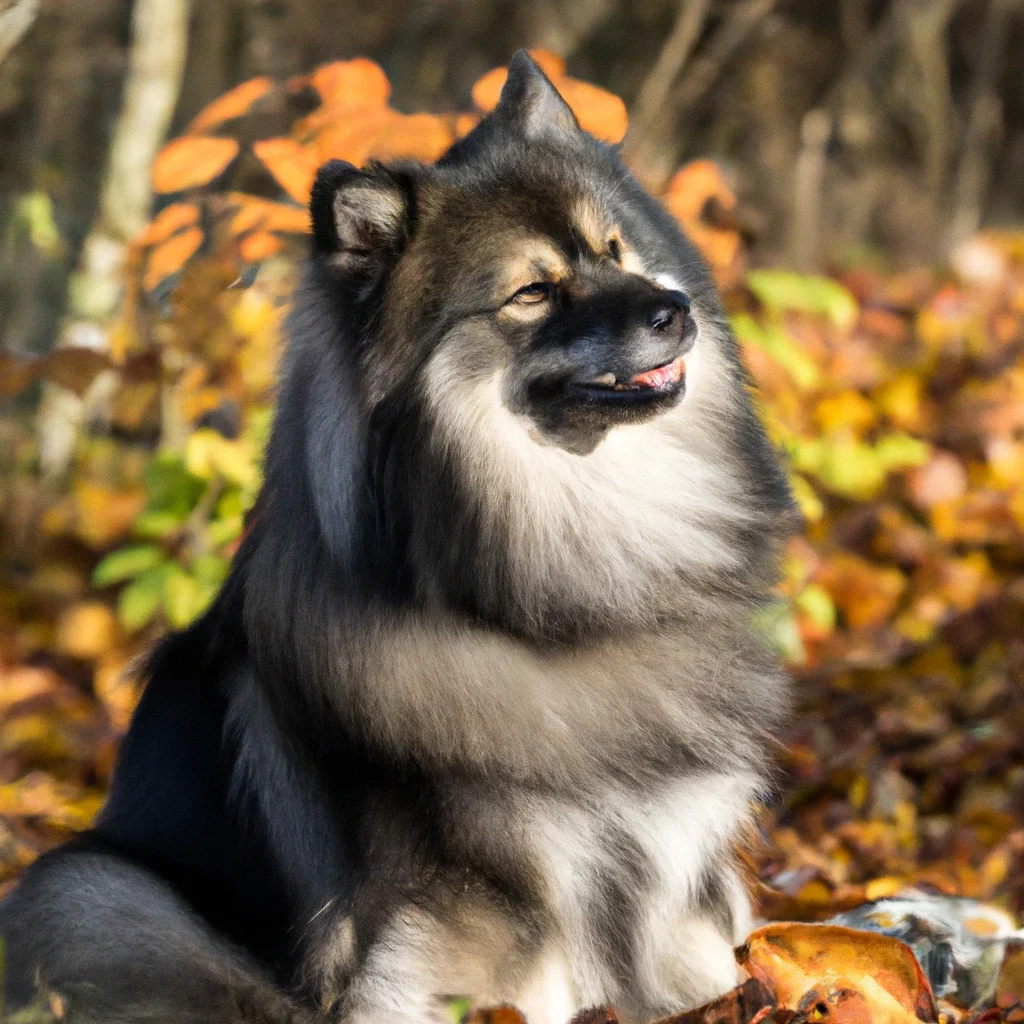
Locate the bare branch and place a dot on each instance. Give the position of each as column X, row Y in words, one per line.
column 16, row 19
column 674, row 54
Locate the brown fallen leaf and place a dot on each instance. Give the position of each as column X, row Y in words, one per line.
column 750, row 1002
column 841, row 973
column 596, row 1015
column 495, row 1015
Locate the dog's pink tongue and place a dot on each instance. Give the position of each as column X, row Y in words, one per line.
column 670, row 373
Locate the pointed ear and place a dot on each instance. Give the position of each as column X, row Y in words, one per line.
column 529, row 100
column 359, row 217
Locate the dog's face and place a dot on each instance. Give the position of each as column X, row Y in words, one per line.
column 525, row 256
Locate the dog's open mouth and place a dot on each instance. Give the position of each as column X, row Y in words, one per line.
column 661, row 380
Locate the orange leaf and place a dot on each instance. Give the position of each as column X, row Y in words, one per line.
column 167, row 222
column 259, row 246
column 358, row 82
column 598, row 111
column 691, row 188
column 386, row 135
column 189, row 162
column 234, row 103
column 291, row 164
column 465, row 123
column 860, row 976
column 866, row 593
column 689, row 192
column 170, row 256
column 253, row 212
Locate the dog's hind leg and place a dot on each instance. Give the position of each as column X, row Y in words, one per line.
column 118, row 945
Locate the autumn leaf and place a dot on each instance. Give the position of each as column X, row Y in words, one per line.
column 749, row 1002
column 85, row 630
column 169, row 221
column 356, row 83
column 234, row 103
column 169, row 257
column 259, row 245
column 191, row 161
column 385, row 135
column 252, row 212
column 857, row 976
column 16, row 374
column 690, row 192
column 291, row 164
column 72, row 367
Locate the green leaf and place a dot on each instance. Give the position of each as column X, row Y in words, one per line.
column 140, row 600
column 222, row 531
column 230, row 504
column 780, row 346
column 458, row 1008
column 804, row 293
column 158, row 524
column 775, row 622
column 901, row 451
column 186, row 597
column 210, row 569
column 126, row 563
column 170, row 487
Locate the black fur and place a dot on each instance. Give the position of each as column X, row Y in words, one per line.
column 356, row 744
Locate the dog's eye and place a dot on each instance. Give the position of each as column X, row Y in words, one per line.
column 615, row 249
column 536, row 291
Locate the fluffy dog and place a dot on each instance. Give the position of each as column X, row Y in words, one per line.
column 482, row 707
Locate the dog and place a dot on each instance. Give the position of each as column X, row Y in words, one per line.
column 483, row 706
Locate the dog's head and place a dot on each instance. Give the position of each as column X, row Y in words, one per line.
column 543, row 348
column 528, row 253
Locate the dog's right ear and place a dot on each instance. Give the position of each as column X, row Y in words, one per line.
column 359, row 217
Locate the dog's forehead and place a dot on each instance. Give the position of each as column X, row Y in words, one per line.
column 505, row 212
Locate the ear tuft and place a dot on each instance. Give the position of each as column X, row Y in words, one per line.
column 531, row 101
column 359, row 216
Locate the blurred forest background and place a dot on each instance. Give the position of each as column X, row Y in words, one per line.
column 850, row 170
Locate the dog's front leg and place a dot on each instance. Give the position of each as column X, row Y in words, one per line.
column 420, row 961
column 688, row 957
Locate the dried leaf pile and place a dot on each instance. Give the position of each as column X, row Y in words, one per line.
column 899, row 398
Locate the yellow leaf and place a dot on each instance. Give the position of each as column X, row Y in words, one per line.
column 85, row 630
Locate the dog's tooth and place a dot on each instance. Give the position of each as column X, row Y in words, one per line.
column 605, row 380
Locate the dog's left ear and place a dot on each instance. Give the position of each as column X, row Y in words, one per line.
column 360, row 217
column 529, row 100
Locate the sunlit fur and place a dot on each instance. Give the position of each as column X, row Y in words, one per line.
column 483, row 708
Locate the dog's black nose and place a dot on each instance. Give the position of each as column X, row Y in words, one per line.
column 670, row 309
